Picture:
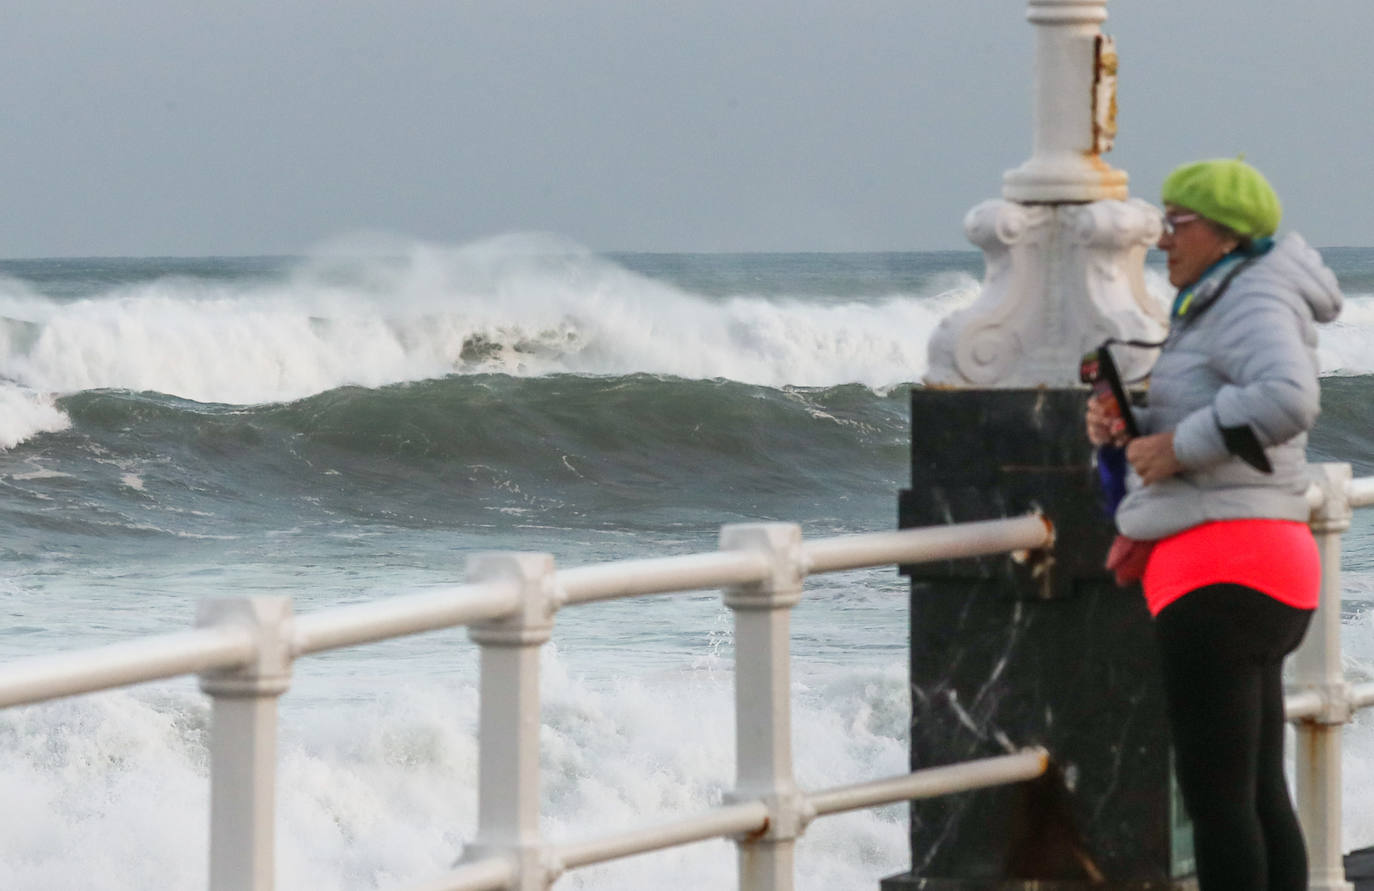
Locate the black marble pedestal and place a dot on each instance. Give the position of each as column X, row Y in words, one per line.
column 1004, row 656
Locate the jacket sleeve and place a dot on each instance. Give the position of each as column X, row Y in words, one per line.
column 1271, row 381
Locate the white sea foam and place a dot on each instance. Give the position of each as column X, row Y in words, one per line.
column 1347, row 344
column 517, row 305
column 372, row 312
column 25, row 413
column 377, row 787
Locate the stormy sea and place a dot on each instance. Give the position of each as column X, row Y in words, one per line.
column 349, row 425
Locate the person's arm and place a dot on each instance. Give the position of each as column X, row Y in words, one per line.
column 1275, row 396
column 1153, row 458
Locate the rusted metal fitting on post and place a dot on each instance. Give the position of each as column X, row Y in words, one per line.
column 269, row 619
column 1039, row 561
column 781, row 543
column 789, row 813
column 1338, row 704
column 539, row 597
column 1332, row 514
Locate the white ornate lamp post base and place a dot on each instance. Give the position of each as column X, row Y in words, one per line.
column 1060, row 279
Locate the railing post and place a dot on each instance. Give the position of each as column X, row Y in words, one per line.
column 763, row 702
column 1317, row 667
column 243, row 743
column 508, row 731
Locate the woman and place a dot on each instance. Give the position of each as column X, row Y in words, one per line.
column 1217, row 484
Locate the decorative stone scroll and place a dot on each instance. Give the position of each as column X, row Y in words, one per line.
column 1060, row 279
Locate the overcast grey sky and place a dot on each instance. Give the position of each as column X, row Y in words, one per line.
column 264, row 126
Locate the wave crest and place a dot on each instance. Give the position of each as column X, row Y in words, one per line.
column 524, row 307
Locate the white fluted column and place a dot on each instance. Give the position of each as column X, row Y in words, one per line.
column 763, row 702
column 243, row 743
column 1074, row 107
column 508, row 732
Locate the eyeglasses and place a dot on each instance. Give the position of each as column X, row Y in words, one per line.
column 1173, row 220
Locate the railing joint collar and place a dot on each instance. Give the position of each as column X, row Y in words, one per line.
column 1332, row 512
column 538, row 597
column 781, row 545
column 534, row 867
column 270, row 621
column 1338, row 704
column 789, row 813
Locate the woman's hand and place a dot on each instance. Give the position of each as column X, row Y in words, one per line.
column 1153, row 457
column 1105, row 425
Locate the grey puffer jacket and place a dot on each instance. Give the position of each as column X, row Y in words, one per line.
column 1246, row 360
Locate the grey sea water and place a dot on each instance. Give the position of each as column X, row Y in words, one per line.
column 349, row 426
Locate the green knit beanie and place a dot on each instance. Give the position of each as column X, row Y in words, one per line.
column 1226, row 191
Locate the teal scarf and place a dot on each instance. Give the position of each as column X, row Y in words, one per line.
column 1183, row 301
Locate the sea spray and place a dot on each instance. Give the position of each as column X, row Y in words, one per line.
column 431, row 312
column 25, row 413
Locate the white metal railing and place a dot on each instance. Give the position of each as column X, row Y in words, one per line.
column 1321, row 702
column 244, row 648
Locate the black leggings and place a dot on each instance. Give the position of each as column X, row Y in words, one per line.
column 1222, row 649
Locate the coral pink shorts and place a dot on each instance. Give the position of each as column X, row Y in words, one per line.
column 1277, row 557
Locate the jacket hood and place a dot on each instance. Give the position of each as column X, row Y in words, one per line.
column 1300, row 267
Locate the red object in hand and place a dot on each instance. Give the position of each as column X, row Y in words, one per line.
column 1098, row 370
column 1127, row 558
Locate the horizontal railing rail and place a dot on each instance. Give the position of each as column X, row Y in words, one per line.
column 1309, row 704
column 752, row 817
column 158, row 657
column 41, row 678
column 1361, row 492
column 401, row 616
column 934, row 781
